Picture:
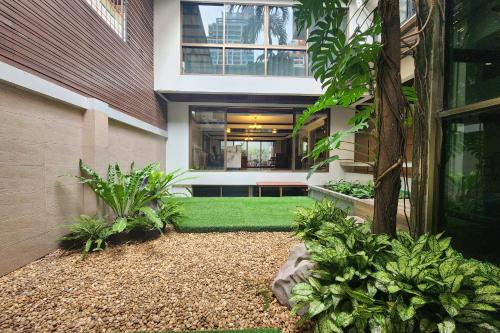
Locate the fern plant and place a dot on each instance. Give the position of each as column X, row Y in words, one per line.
column 130, row 195
column 170, row 210
column 91, row 232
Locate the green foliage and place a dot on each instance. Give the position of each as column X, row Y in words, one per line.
column 428, row 284
column 90, row 232
column 342, row 62
column 357, row 190
column 138, row 200
column 366, row 282
column 341, row 294
column 170, row 210
column 127, row 193
column 307, row 221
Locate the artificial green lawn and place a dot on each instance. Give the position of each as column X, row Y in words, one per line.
column 239, row 214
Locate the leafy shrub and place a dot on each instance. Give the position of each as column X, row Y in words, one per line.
column 170, row 210
column 131, row 195
column 341, row 292
column 307, row 221
column 431, row 287
column 358, row 190
column 367, row 282
column 137, row 199
column 90, row 232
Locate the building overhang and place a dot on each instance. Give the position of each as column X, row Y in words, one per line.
column 239, row 98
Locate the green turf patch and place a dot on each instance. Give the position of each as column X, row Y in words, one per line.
column 239, row 214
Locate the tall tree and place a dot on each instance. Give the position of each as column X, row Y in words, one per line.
column 429, row 69
column 351, row 64
column 390, row 108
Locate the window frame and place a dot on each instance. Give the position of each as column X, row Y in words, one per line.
column 223, row 46
column 294, row 111
column 122, row 33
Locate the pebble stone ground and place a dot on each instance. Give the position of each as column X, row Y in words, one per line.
column 176, row 282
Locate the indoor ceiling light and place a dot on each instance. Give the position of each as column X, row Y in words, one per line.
column 275, row 131
column 255, row 125
column 248, row 139
column 228, row 130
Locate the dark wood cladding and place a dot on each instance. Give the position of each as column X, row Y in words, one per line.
column 68, row 43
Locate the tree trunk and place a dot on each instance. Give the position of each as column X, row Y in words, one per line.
column 429, row 71
column 390, row 105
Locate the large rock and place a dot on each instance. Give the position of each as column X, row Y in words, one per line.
column 295, row 270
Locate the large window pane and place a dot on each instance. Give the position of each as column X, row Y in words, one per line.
column 473, row 52
column 244, row 24
column 201, row 60
column 282, row 27
column 471, row 184
column 286, row 63
column 315, row 129
column 202, row 23
column 207, row 140
column 245, row 61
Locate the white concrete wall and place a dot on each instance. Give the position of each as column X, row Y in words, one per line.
column 178, row 154
column 168, row 77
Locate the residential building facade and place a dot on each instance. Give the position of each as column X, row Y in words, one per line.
column 76, row 82
column 93, row 79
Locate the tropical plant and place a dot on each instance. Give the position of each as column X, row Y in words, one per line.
column 367, row 282
column 341, row 294
column 351, row 64
column 170, row 210
column 307, row 221
column 357, row 190
column 130, row 195
column 90, row 232
column 430, row 287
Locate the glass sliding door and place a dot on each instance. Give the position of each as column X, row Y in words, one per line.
column 315, row 129
column 471, row 184
column 207, row 139
column 253, row 139
column 470, row 173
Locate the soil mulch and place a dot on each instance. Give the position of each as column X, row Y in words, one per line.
column 176, row 282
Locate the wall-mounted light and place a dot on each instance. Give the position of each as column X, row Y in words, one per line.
column 275, row 131
column 228, row 130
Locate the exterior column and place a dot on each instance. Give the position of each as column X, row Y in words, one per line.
column 95, row 150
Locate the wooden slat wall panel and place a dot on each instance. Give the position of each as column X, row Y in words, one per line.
column 68, row 43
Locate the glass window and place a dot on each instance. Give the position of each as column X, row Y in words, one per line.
column 286, row 63
column 207, row 140
column 256, row 28
column 282, row 27
column 471, row 184
column 473, row 52
column 244, row 24
column 406, row 10
column 202, row 23
column 245, row 61
column 113, row 13
column 313, row 131
column 201, row 60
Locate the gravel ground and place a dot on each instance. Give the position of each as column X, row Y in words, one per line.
column 176, row 282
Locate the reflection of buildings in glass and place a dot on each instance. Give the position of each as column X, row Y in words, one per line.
column 235, row 28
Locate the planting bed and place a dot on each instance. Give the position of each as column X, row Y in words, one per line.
column 176, row 282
